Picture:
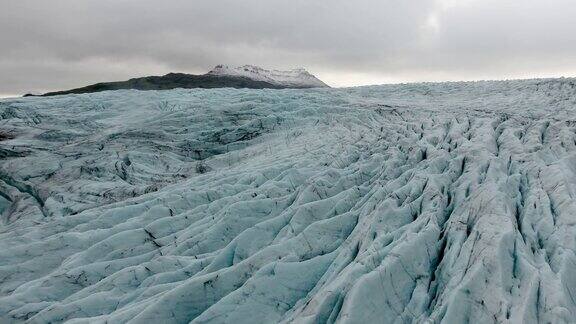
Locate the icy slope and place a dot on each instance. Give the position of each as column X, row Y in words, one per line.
column 297, row 78
column 405, row 203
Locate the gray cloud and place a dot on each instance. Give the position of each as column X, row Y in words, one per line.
column 58, row 44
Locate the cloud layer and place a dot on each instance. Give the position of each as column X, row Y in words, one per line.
column 58, row 44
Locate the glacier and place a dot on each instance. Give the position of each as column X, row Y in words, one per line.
column 410, row 203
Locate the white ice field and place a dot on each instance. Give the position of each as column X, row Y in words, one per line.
column 439, row 203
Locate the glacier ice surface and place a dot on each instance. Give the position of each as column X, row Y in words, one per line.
column 441, row 202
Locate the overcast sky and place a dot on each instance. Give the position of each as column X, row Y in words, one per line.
column 60, row 44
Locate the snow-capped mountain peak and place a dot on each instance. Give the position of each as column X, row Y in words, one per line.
column 298, row 77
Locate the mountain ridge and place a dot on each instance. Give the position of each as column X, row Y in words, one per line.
column 220, row 77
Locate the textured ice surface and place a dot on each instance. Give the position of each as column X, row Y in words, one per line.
column 388, row 204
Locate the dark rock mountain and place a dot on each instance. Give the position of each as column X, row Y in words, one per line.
column 214, row 79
